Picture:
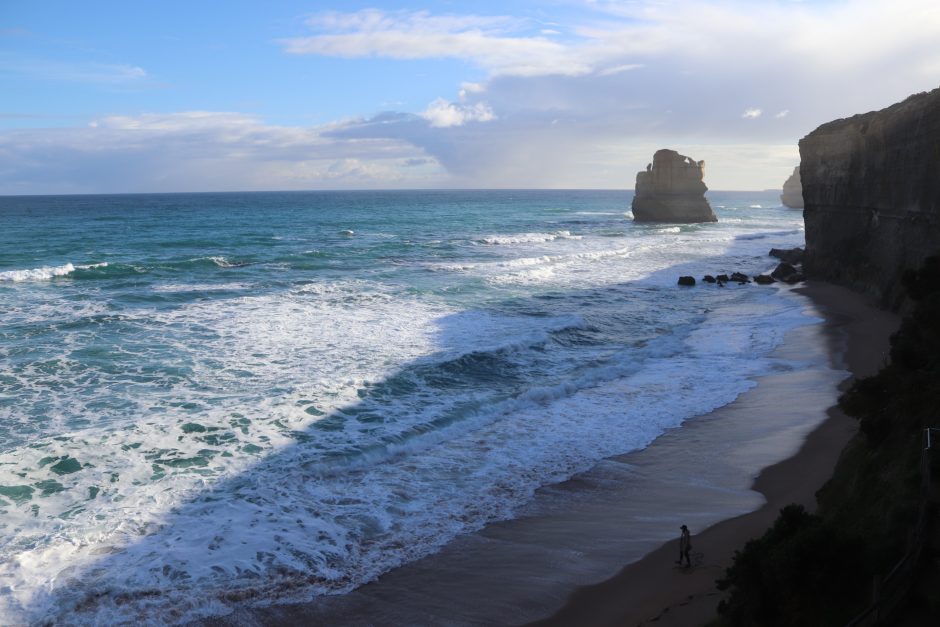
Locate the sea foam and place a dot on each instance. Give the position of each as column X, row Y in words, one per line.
column 178, row 437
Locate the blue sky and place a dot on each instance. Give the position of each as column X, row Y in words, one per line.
column 191, row 96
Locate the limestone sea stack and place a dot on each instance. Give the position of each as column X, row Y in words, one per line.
column 671, row 189
column 871, row 184
column 793, row 191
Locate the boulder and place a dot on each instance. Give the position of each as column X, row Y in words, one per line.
column 722, row 278
column 709, row 278
column 782, row 271
column 764, row 279
column 740, row 278
column 796, row 277
column 671, row 189
column 792, row 195
column 686, row 280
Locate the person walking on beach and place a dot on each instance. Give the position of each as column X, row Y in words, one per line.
column 685, row 545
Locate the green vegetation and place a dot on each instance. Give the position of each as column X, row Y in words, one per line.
column 821, row 569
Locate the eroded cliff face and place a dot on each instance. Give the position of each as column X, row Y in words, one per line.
column 871, row 188
column 792, row 195
column 671, row 189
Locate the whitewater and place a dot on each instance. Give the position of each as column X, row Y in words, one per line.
column 209, row 400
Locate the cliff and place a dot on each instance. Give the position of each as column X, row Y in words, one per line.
column 792, row 195
column 871, row 186
column 671, row 189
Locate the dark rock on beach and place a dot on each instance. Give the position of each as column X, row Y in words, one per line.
column 708, row 278
column 740, row 278
column 764, row 279
column 686, row 280
column 782, row 271
column 722, row 278
column 871, row 184
column 671, row 189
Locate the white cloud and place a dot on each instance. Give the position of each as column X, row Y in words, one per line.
column 184, row 121
column 442, row 114
column 485, row 41
column 76, row 72
column 782, row 114
column 466, row 89
column 751, row 113
column 199, row 151
column 617, row 69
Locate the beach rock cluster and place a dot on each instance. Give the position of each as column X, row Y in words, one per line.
column 672, row 189
column 787, row 271
column 793, row 191
column 871, row 186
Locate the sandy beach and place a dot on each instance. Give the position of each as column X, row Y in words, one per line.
column 652, row 590
column 585, row 529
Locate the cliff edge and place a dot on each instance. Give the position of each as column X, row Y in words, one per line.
column 871, row 187
column 671, row 189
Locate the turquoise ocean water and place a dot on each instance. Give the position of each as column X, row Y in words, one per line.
column 213, row 399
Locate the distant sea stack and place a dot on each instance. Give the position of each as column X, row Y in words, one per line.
column 671, row 189
column 793, row 191
column 871, row 185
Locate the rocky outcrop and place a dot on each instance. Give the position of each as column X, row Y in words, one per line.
column 671, row 189
column 782, row 271
column 792, row 195
column 871, row 185
column 790, row 255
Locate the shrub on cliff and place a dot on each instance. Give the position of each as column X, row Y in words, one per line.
column 818, row 569
column 903, row 396
column 802, row 571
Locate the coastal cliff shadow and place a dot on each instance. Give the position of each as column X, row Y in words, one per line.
column 289, row 547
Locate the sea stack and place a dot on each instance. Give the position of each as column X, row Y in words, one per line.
column 871, row 184
column 671, row 189
column 793, row 191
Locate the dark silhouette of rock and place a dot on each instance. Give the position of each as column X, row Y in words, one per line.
column 796, row 277
column 871, row 184
column 722, row 278
column 782, row 271
column 740, row 278
column 686, row 280
column 671, row 189
column 790, row 255
column 792, row 195
column 709, row 278
column 764, row 279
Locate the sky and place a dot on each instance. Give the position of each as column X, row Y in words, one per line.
column 114, row 97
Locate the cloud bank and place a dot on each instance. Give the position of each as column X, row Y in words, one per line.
column 203, row 151
column 581, row 102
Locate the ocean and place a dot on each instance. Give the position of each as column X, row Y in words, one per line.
column 209, row 400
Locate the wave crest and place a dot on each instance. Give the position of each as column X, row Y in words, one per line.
column 526, row 238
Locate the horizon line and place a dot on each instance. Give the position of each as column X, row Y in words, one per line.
column 373, row 190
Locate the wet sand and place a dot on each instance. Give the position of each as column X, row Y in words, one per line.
column 585, row 529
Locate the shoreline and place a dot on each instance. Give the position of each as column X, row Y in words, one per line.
column 586, row 528
column 651, row 590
